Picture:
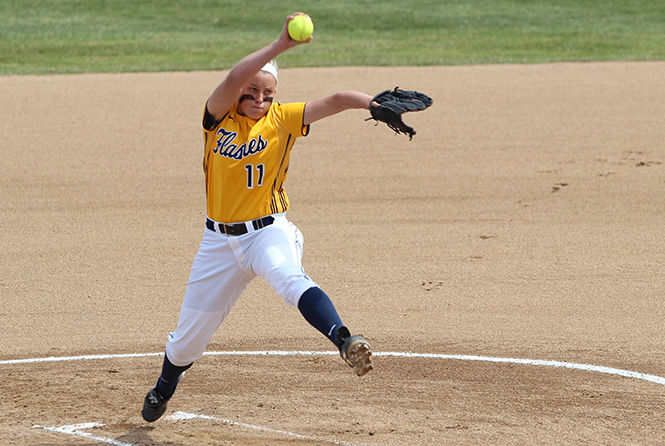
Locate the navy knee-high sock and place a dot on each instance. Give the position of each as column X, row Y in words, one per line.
column 169, row 378
column 317, row 308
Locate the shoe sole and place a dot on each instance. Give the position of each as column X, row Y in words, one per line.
column 151, row 413
column 359, row 356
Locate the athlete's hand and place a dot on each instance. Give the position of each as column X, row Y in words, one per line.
column 285, row 39
column 389, row 106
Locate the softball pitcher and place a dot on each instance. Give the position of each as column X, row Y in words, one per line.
column 248, row 138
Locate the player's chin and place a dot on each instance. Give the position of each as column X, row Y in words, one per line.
column 257, row 112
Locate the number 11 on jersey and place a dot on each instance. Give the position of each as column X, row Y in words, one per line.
column 260, row 168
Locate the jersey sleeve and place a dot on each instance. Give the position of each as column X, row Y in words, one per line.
column 291, row 116
column 209, row 122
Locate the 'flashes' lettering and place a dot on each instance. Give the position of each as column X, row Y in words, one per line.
column 225, row 146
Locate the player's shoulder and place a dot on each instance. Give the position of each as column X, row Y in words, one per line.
column 288, row 108
column 289, row 116
column 211, row 123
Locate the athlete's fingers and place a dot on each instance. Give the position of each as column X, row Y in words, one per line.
column 289, row 18
column 284, row 36
column 285, row 31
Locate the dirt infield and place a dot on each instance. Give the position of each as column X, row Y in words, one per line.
column 524, row 220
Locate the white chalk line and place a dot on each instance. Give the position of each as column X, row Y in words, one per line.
column 179, row 416
column 75, row 430
column 534, row 362
column 78, row 358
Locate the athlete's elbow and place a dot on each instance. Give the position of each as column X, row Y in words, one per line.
column 233, row 79
column 343, row 100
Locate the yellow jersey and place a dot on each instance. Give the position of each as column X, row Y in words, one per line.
column 245, row 162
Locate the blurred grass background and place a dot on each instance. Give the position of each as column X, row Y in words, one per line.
column 73, row 36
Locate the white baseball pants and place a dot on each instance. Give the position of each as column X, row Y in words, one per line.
column 222, row 269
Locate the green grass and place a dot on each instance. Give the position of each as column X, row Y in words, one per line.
column 71, row 36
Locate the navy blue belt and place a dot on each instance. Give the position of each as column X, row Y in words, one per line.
column 239, row 228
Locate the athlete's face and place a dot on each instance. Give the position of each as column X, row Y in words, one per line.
column 257, row 94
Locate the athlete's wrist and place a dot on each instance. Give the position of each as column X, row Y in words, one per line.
column 280, row 45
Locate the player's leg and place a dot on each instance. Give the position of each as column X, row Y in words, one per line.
column 277, row 257
column 216, row 281
column 276, row 254
column 320, row 312
column 317, row 309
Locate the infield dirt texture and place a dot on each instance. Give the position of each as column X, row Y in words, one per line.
column 524, row 220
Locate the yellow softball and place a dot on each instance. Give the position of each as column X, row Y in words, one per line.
column 301, row 27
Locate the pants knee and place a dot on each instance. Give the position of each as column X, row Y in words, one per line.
column 292, row 287
column 183, row 353
column 190, row 339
